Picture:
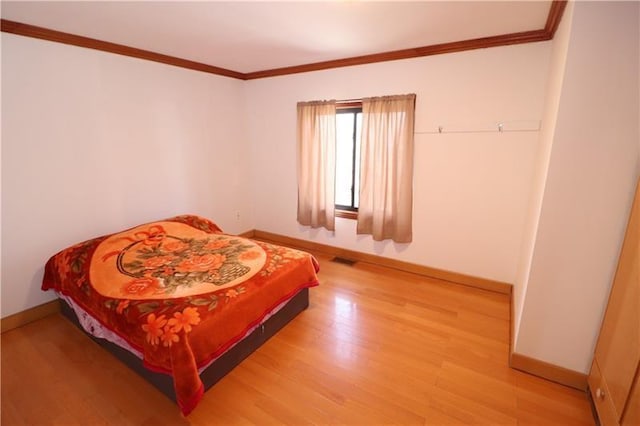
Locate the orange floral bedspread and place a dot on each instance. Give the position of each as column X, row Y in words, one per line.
column 179, row 291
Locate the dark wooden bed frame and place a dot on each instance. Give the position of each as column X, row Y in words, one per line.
column 221, row 366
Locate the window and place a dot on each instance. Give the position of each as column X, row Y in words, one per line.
column 348, row 130
column 333, row 180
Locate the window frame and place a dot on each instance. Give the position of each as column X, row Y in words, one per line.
column 350, row 107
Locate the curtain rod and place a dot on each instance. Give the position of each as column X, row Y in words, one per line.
column 401, row 96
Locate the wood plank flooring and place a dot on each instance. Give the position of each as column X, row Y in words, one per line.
column 376, row 346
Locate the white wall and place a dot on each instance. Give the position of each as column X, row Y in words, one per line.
column 93, row 142
column 543, row 155
column 470, row 189
column 589, row 188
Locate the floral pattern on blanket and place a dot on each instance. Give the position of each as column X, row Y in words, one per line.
column 171, row 260
column 179, row 291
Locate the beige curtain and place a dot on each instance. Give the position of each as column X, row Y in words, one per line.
column 316, row 163
column 386, row 168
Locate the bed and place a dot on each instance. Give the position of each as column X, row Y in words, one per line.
column 178, row 300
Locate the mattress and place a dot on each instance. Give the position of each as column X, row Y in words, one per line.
column 177, row 293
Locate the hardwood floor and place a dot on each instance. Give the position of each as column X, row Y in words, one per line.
column 376, row 346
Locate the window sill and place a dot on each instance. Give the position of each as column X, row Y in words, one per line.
column 347, row 214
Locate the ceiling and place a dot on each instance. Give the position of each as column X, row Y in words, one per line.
column 252, row 36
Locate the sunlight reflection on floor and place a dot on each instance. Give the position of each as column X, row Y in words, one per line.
column 346, row 314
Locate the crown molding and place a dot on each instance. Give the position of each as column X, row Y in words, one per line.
column 436, row 49
column 555, row 16
column 105, row 46
column 553, row 20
